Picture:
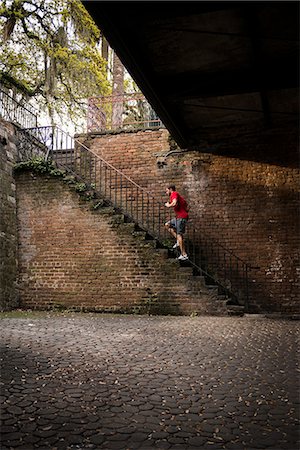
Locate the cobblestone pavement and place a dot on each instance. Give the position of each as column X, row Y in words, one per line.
column 134, row 382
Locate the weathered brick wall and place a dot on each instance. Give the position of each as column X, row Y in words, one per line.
column 71, row 256
column 8, row 228
column 249, row 203
column 135, row 154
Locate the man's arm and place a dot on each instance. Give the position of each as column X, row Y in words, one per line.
column 173, row 203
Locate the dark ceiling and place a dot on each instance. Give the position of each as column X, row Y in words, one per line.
column 209, row 69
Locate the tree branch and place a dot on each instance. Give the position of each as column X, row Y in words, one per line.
column 10, row 81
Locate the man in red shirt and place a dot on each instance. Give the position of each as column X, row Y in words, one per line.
column 177, row 225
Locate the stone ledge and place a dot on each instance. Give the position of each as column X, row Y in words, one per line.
column 281, row 316
column 118, row 131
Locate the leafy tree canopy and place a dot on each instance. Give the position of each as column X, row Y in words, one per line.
column 49, row 52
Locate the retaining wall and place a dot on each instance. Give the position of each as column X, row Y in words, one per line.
column 8, row 218
column 246, row 198
column 71, row 256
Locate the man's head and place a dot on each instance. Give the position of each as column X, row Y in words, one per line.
column 171, row 188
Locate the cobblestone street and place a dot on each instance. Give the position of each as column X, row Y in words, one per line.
column 87, row 381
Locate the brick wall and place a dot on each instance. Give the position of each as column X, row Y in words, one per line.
column 248, row 204
column 8, row 228
column 75, row 257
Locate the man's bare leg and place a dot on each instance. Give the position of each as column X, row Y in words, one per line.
column 178, row 238
column 171, row 230
column 181, row 244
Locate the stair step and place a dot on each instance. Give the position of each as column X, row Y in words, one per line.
column 187, row 270
column 223, row 297
column 99, row 203
column 198, row 281
column 235, row 310
column 109, row 210
column 117, row 219
column 152, row 243
column 213, row 288
column 163, row 252
column 139, row 234
column 195, row 308
column 130, row 226
column 194, row 305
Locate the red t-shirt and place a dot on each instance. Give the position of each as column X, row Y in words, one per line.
column 181, row 207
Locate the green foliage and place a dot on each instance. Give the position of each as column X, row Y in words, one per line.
column 99, row 204
column 168, row 243
column 80, row 187
column 90, row 196
column 49, row 51
column 58, row 307
column 70, row 179
column 39, row 165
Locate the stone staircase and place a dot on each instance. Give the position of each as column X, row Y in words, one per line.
column 129, row 271
column 199, row 297
column 87, row 168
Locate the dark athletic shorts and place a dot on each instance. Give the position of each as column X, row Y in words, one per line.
column 178, row 225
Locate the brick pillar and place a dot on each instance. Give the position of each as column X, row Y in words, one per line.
column 8, row 218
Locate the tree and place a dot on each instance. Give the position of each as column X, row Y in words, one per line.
column 49, row 52
column 118, row 93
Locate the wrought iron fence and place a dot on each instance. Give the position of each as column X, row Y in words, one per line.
column 129, row 111
column 209, row 258
column 18, row 113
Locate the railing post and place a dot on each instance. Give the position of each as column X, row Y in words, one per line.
column 126, row 197
column 153, row 218
column 95, row 173
column 100, row 176
column 137, row 205
column 121, row 191
column 247, row 289
column 14, row 111
column 142, row 207
column 159, row 221
column 116, row 181
column 148, row 210
column 131, row 200
column 194, row 246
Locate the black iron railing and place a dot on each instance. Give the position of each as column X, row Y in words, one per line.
column 135, row 201
column 128, row 111
column 18, row 113
column 220, row 266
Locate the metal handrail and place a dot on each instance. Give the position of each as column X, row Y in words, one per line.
column 219, row 265
column 15, row 112
column 134, row 113
column 51, row 151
